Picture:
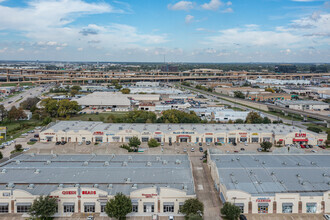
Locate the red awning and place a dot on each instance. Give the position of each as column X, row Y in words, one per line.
column 320, row 139
column 183, row 135
column 303, row 140
column 280, row 140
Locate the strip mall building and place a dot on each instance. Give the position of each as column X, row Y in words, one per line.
column 81, row 131
column 273, row 183
column 156, row 184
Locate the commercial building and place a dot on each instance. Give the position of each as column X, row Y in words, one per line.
column 273, row 183
column 271, row 97
column 230, row 115
column 245, row 90
column 80, row 131
column 147, row 84
column 261, row 80
column 303, row 104
column 157, row 184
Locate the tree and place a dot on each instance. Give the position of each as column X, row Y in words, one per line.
column 194, row 217
column 1, row 156
column 314, row 129
column 239, row 121
column 134, row 142
column 239, row 94
column 43, row 207
column 153, row 143
column 253, row 118
column 266, row 120
column 119, row 206
column 77, row 88
column 3, row 112
column 266, row 145
column 176, row 116
column 16, row 114
column 125, row 91
column 192, row 206
column 230, row 211
column 29, row 103
column 18, row 147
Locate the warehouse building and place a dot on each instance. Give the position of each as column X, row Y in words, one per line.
column 81, row 131
column 273, row 183
column 303, row 104
column 156, row 184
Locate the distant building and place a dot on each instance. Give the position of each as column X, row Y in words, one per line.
column 303, row 104
column 230, row 115
column 147, row 84
column 271, row 97
column 286, row 68
column 318, row 69
column 169, row 68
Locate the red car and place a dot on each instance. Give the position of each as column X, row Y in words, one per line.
column 321, row 147
column 302, row 146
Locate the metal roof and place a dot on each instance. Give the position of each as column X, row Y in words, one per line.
column 267, row 174
column 46, row 172
column 168, row 128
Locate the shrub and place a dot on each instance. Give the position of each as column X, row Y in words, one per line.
column 153, row 143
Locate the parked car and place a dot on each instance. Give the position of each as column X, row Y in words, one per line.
column 36, row 135
column 178, row 144
column 242, row 217
column 192, row 149
column 90, row 217
column 170, row 144
column 63, row 142
column 302, row 146
column 320, row 146
column 25, row 134
column 201, row 149
column 326, row 216
column 245, row 144
column 235, row 151
column 88, row 142
column 80, row 143
column 2, row 146
column 58, row 143
column 200, row 144
column 310, row 146
column 32, row 131
column 234, row 143
column 313, row 151
column 185, row 150
column 259, row 149
column 25, row 149
column 242, row 149
column 170, row 217
column 208, row 143
column 162, row 144
column 33, row 140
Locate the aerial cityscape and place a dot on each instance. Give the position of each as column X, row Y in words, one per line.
column 165, row 110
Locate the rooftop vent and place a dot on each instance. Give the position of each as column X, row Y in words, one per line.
column 231, row 174
column 134, row 186
column 128, row 180
column 263, row 162
column 164, row 162
column 120, row 128
column 284, row 163
column 298, row 175
column 158, row 159
column 96, row 186
column 54, row 155
column 237, row 158
column 18, row 161
column 37, row 171
column 259, row 182
column 85, row 163
column 48, row 162
column 298, row 164
column 106, row 163
column 232, row 159
column 178, row 162
column 185, row 187
column 10, row 185
column 3, row 171
column 324, row 174
column 148, row 164
column 77, row 185
column 124, row 164
column 60, row 185
column 31, row 186
column 130, row 158
column 313, row 163
column 110, row 186
column 281, row 181
column 272, row 173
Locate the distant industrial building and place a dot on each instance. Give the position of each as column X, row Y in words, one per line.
column 270, row 97
column 303, row 104
column 169, row 68
column 156, row 184
column 261, row 80
column 272, row 183
column 219, row 114
column 81, row 131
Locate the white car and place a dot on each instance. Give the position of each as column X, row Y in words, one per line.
column 25, row 134
column 313, row 151
column 326, row 216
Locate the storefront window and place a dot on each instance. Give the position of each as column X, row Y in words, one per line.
column 231, row 140
column 127, row 139
column 263, row 208
column 311, row 207
column 287, row 207
column 103, row 207
column 241, row 206
column 135, row 207
column 4, row 207
column 145, row 139
column 168, row 206
column 243, row 139
column 98, row 139
column 255, row 140
column 208, row 139
column 180, row 206
column 266, row 139
column 68, row 208
column 116, row 139
column 148, row 207
column 197, row 139
column 89, row 208
column 221, row 140
column 23, row 208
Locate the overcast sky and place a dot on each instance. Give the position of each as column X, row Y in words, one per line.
column 182, row 31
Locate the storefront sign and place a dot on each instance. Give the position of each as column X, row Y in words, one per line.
column 183, row 132
column 49, row 133
column 6, row 194
column 128, row 131
column 158, row 132
column 263, row 200
column 110, row 134
column 208, row 133
column 98, row 133
column 255, row 134
column 232, row 133
column 88, row 192
column 149, row 195
column 69, row 192
column 54, row 197
column 243, row 134
column 145, row 133
column 300, row 134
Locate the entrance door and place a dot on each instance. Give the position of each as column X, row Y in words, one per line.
column 183, row 139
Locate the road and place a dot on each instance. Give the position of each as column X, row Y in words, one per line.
column 30, row 93
column 204, row 187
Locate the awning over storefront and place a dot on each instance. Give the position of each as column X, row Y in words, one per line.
column 311, row 204
column 239, row 204
column 168, row 203
column 148, row 203
column 287, row 204
column 89, row 203
column 23, row 204
column 263, row 204
column 183, row 135
column 303, row 140
column 68, row 203
column 4, row 204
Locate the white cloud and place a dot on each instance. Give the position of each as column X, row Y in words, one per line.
column 229, row 3
column 227, row 10
column 181, row 5
column 3, row 50
column 189, row 19
column 212, row 5
column 80, row 49
column 20, row 49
